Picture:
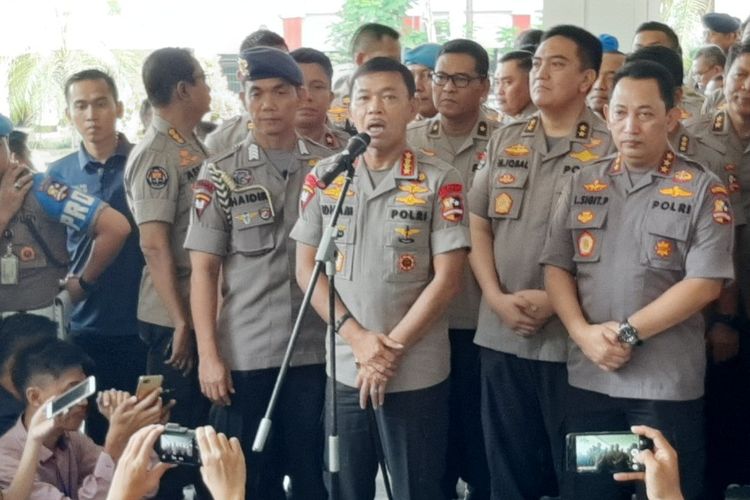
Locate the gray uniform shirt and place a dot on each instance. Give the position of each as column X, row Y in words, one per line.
column 626, row 246
column 516, row 191
column 387, row 238
column 243, row 211
column 429, row 135
column 231, row 132
column 158, row 176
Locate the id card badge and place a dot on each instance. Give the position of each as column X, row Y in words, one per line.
column 9, row 268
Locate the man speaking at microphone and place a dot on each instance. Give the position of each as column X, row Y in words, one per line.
column 401, row 245
column 244, row 205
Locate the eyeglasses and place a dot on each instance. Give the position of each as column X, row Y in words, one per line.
column 459, row 81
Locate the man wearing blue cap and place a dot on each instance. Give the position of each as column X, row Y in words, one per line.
column 721, row 29
column 34, row 212
column 421, row 62
column 612, row 60
column 245, row 203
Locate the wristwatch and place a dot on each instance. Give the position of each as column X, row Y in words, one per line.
column 86, row 286
column 627, row 334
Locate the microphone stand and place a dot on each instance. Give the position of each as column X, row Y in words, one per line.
column 325, row 257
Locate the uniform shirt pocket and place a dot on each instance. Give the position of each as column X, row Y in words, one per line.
column 253, row 228
column 587, row 225
column 508, row 190
column 665, row 242
column 407, row 251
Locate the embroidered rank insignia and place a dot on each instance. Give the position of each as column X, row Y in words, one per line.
column 592, row 143
column 721, row 212
column 586, row 244
column 410, row 200
column 157, row 177
column 585, row 216
column 312, row 162
column 243, row 66
column 413, row 187
column 407, row 164
column 340, row 260
column 719, row 189
column 308, row 191
column 663, row 248
column 407, row 262
column 176, row 136
column 26, row 254
column 55, row 190
column 482, row 129
column 582, row 131
column 503, row 204
column 405, row 234
column 330, row 141
column 730, row 167
column 246, row 218
column 517, row 150
column 595, row 186
column 734, row 184
column 203, row 191
column 187, row 159
column 682, row 176
column 435, row 128
column 451, row 202
column 585, row 156
column 718, row 125
column 427, row 152
column 616, row 165
column 253, row 153
column 684, row 143
column 242, row 177
column 676, row 192
column 250, row 125
column 665, row 167
column 334, row 188
column 531, row 124
column 302, row 147
column 506, row 179
column 685, row 114
column 338, row 113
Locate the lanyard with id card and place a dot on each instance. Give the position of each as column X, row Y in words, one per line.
column 9, row 267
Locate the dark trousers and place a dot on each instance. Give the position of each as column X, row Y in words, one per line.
column 295, row 443
column 118, row 362
column 522, row 402
column 412, row 427
column 190, row 411
column 466, row 458
column 680, row 421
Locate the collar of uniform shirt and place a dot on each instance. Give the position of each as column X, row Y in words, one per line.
column 91, row 165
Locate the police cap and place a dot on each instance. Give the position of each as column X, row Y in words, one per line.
column 609, row 43
column 425, row 54
column 6, row 126
column 721, row 23
column 260, row 63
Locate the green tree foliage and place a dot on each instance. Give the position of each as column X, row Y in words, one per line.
column 684, row 16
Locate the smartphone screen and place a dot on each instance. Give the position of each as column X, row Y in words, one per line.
column 177, row 445
column 71, row 397
column 605, row 452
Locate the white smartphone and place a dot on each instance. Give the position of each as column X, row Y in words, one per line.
column 71, row 397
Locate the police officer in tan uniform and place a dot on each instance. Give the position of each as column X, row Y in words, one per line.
column 522, row 344
column 512, row 86
column 637, row 246
column 458, row 135
column 34, row 213
column 311, row 120
column 401, row 250
column 245, row 203
column 158, row 178
column 727, row 134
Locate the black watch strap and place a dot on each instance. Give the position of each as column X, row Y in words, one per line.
column 86, row 286
column 627, row 334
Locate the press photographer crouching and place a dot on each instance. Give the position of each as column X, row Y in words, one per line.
column 70, row 463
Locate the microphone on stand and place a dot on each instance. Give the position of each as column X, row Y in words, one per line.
column 355, row 147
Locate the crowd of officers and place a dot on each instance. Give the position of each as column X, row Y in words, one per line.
column 573, row 261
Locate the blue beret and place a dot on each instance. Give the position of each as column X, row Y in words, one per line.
column 721, row 23
column 259, row 63
column 6, row 126
column 609, row 43
column 425, row 54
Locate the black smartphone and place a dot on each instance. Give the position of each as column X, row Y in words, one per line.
column 605, row 452
column 177, row 445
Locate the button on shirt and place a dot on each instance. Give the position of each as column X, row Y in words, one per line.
column 431, row 138
column 112, row 309
column 516, row 191
column 626, row 245
column 387, row 237
column 76, row 468
column 243, row 211
column 158, row 178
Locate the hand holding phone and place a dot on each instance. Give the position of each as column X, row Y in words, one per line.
column 147, row 384
column 71, row 397
column 606, row 452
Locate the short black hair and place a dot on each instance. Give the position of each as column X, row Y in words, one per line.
column 665, row 56
column 163, row 69
column 470, row 48
column 51, row 357
column 263, row 38
column 650, row 70
column 385, row 65
column 528, row 40
column 20, row 330
column 713, row 54
column 589, row 46
column 371, row 32
column 736, row 51
column 306, row 55
column 17, row 143
column 657, row 26
column 91, row 74
column 523, row 58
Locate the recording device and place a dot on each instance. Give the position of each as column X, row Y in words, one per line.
column 605, row 452
column 355, row 147
column 71, row 397
column 147, row 384
column 177, row 445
